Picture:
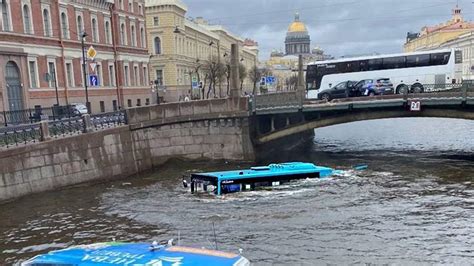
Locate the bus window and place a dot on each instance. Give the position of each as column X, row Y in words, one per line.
column 439, row 59
column 418, row 60
column 394, row 62
column 353, row 66
column 458, row 57
column 375, row 64
column 364, row 65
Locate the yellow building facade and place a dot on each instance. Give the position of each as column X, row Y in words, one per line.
column 180, row 49
column 433, row 37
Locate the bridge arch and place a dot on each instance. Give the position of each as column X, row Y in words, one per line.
column 349, row 117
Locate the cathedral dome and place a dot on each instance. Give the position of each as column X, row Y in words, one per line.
column 297, row 39
column 297, row 25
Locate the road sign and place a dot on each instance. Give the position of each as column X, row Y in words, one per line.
column 195, row 85
column 93, row 66
column 270, row 80
column 93, row 80
column 415, row 106
column 91, row 52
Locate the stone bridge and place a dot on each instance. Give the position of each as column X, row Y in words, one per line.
column 285, row 114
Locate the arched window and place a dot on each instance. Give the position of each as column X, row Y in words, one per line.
column 142, row 37
column 46, row 23
column 27, row 20
column 157, row 45
column 107, row 32
column 95, row 37
column 122, row 34
column 64, row 26
column 80, row 27
column 134, row 36
column 6, row 16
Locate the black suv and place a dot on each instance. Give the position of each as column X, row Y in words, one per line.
column 342, row 90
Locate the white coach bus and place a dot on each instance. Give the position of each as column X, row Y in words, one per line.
column 407, row 71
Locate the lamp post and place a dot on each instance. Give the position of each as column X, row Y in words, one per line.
column 50, row 77
column 83, row 36
column 158, row 83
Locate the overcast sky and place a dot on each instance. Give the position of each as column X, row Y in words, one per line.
column 340, row 27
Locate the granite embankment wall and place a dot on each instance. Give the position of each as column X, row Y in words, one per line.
column 216, row 129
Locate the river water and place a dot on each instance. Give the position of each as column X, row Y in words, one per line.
column 415, row 204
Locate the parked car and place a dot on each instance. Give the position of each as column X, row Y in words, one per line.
column 371, row 87
column 79, row 109
column 342, row 90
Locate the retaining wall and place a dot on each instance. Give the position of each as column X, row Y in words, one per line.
column 122, row 152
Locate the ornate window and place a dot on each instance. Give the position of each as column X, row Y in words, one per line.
column 142, row 37
column 108, row 36
column 157, row 45
column 134, row 36
column 64, row 26
column 80, row 27
column 6, row 16
column 27, row 20
column 46, row 23
column 122, row 34
column 95, row 36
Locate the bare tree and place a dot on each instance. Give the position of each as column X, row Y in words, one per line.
column 215, row 72
column 291, row 82
column 242, row 74
column 255, row 75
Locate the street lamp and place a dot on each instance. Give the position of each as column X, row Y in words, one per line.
column 83, row 37
column 176, row 30
column 157, row 83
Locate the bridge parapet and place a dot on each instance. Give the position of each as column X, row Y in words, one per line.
column 291, row 101
column 140, row 117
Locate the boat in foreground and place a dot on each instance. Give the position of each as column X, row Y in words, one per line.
column 138, row 254
column 239, row 180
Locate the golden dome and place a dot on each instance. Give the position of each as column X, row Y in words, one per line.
column 297, row 25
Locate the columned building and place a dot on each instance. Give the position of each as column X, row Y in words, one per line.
column 454, row 33
column 433, row 37
column 181, row 50
column 297, row 38
column 41, row 53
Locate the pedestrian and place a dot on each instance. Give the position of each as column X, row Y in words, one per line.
column 186, row 98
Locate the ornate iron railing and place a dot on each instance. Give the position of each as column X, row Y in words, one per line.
column 14, row 136
column 108, row 120
column 65, row 127
column 37, row 114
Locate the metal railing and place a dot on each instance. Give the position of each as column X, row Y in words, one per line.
column 70, row 126
column 14, row 136
column 35, row 115
column 108, row 120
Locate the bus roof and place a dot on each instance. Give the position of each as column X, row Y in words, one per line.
column 349, row 59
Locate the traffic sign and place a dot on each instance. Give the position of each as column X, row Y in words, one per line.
column 93, row 80
column 415, row 106
column 93, row 66
column 270, row 80
column 195, row 85
column 91, row 52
